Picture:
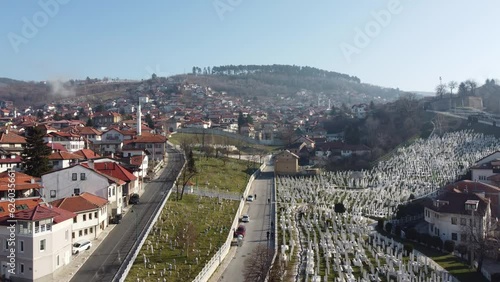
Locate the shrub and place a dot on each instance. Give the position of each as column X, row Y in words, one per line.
column 411, row 234
column 449, row 246
column 408, row 248
column 380, row 224
column 388, row 227
column 339, row 208
column 437, row 242
column 462, row 249
column 398, row 230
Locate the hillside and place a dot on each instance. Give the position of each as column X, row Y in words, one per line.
column 288, row 81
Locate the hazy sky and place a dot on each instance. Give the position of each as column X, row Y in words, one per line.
column 407, row 44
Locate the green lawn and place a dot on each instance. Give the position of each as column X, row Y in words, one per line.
column 245, row 147
column 211, row 220
column 207, row 219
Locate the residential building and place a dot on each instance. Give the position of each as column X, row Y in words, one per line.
column 91, row 215
column 155, row 145
column 106, row 119
column 286, row 162
column 43, row 243
column 451, row 215
column 9, row 160
column 12, row 142
column 24, row 185
column 77, row 179
column 71, row 141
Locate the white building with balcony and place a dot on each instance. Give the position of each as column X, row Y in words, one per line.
column 42, row 243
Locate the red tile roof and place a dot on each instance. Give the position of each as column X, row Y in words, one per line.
column 22, row 181
column 115, row 170
column 57, row 147
column 11, row 138
column 136, row 160
column 110, row 178
column 87, row 130
column 147, row 138
column 40, row 212
column 8, row 160
column 83, row 202
column 64, row 156
column 26, row 203
column 87, row 154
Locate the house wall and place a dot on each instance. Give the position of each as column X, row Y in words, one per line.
column 90, row 229
column 481, row 175
column 286, row 164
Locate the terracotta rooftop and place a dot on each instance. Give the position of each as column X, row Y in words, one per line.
column 115, row 170
column 83, row 202
column 21, row 204
column 40, row 212
column 57, row 147
column 64, row 156
column 11, row 138
column 455, row 203
column 87, row 154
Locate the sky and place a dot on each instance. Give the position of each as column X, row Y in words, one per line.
column 404, row 44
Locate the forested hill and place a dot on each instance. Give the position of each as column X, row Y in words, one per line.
column 259, row 81
column 274, row 69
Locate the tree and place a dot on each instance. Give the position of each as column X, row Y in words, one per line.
column 149, row 121
column 89, row 122
column 35, row 154
column 249, row 119
column 462, row 89
column 99, row 108
column 339, row 208
column 186, row 235
column 39, row 114
column 479, row 238
column 241, row 121
column 452, row 85
column 388, row 227
column 257, row 264
column 154, row 77
column 187, row 174
column 440, row 90
column 471, row 85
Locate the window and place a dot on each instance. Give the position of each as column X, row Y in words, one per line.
column 90, row 216
column 82, row 176
column 74, row 176
column 86, row 231
column 76, row 191
column 75, row 219
column 73, row 235
column 454, row 236
column 21, row 246
column 42, row 245
column 463, row 221
column 57, row 260
column 52, row 193
column 80, row 233
column 95, row 214
column 84, row 217
column 454, row 220
column 21, row 267
column 91, row 230
column 114, row 191
column 109, row 192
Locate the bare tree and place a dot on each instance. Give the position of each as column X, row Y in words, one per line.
column 187, row 174
column 480, row 238
column 278, row 270
column 440, row 90
column 257, row 264
column 471, row 86
column 186, row 235
column 452, row 85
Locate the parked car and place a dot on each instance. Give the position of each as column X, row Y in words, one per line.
column 250, row 198
column 134, row 199
column 245, row 218
column 240, row 231
column 81, row 245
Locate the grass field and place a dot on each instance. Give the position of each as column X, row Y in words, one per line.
column 245, row 147
column 200, row 222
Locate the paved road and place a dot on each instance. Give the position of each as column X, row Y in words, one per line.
column 107, row 258
column 256, row 230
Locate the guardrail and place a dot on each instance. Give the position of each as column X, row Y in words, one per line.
column 219, row 256
column 128, row 262
column 273, row 208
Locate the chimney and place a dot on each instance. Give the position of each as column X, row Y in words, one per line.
column 112, row 155
column 32, row 180
column 91, row 164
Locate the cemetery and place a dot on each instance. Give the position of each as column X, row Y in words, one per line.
column 319, row 244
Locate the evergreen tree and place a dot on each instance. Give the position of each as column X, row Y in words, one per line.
column 149, row 121
column 241, row 121
column 35, row 154
column 89, row 122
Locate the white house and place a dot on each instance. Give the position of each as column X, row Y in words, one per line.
column 75, row 180
column 42, row 243
column 486, row 167
column 91, row 215
column 71, row 141
column 9, row 161
column 60, row 160
column 451, row 214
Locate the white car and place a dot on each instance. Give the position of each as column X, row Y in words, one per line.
column 250, row 198
column 81, row 246
column 245, row 218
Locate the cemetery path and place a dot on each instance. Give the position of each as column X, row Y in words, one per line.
column 107, row 258
column 260, row 213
